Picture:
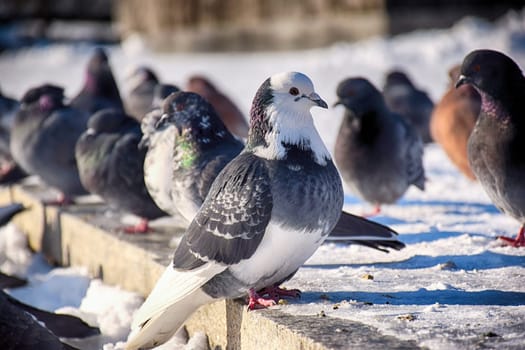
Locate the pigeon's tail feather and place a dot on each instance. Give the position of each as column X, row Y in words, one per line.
column 161, row 327
column 175, row 297
column 8, row 211
column 357, row 230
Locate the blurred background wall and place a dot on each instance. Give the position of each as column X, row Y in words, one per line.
column 219, row 25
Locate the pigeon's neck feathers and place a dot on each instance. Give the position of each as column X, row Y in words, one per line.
column 285, row 127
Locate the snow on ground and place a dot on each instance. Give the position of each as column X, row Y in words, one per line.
column 452, row 287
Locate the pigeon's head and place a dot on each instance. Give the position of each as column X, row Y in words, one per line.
column 99, row 77
column 491, row 72
column 195, row 120
column 98, row 59
column 109, row 120
column 45, row 97
column 141, row 75
column 160, row 93
column 397, row 78
column 280, row 117
column 359, row 96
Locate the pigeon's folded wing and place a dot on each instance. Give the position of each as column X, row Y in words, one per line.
column 233, row 218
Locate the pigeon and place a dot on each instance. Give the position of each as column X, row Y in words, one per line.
column 453, row 119
column 378, row 153
column 23, row 327
column 111, row 165
column 402, row 97
column 43, row 139
column 266, row 213
column 140, row 97
column 10, row 172
column 227, row 110
column 100, row 89
column 191, row 147
column 495, row 146
column 181, row 186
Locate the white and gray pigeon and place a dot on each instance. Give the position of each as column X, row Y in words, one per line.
column 378, row 153
column 43, row 139
column 267, row 212
column 194, row 139
column 189, row 147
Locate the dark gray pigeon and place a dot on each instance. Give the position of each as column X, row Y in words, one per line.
column 497, row 143
column 23, row 327
column 266, row 213
column 9, row 171
column 111, row 165
column 100, row 90
column 43, row 139
column 190, row 147
column 402, row 97
column 378, row 153
column 141, row 94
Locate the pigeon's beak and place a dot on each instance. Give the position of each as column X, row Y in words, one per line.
column 462, row 80
column 163, row 120
column 315, row 98
column 144, row 143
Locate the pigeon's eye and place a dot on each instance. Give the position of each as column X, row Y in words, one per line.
column 294, row 91
column 476, row 68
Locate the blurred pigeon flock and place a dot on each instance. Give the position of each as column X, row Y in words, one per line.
column 426, row 130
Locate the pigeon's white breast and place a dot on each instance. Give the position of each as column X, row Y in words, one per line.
column 158, row 169
column 281, row 252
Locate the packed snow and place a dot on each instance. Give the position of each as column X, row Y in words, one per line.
column 453, row 286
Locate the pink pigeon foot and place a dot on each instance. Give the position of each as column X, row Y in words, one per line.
column 258, row 302
column 376, row 211
column 519, row 241
column 61, row 200
column 141, row 227
column 275, row 293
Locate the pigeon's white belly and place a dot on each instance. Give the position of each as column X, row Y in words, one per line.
column 158, row 170
column 281, row 252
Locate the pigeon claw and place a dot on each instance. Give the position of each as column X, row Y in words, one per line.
column 61, row 200
column 256, row 301
column 141, row 227
column 517, row 242
column 276, row 293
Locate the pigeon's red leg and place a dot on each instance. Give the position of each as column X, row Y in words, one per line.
column 376, row 211
column 61, row 200
column 519, row 241
column 258, row 302
column 275, row 292
column 141, row 227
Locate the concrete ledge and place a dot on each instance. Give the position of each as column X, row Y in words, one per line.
column 84, row 235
